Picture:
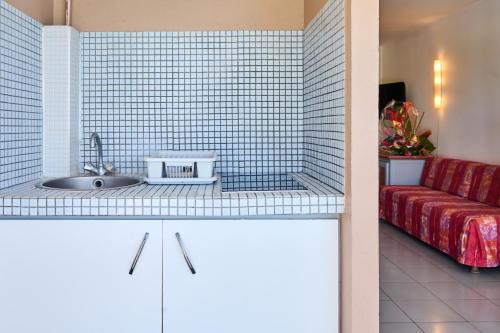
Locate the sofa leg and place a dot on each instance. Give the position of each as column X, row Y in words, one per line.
column 474, row 270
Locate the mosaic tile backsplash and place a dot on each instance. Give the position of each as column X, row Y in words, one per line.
column 324, row 106
column 20, row 97
column 268, row 102
column 239, row 93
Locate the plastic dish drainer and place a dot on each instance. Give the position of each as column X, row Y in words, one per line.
column 181, row 167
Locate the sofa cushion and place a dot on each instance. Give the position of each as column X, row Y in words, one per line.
column 486, row 185
column 467, row 231
column 464, row 229
column 430, row 172
column 449, row 175
column 455, row 177
column 387, row 206
column 402, row 206
column 463, row 178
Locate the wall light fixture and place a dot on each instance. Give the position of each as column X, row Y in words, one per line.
column 438, row 84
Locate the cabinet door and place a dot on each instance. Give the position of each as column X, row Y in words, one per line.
column 263, row 276
column 73, row 276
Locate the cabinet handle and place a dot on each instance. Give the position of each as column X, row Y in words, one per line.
column 184, row 253
column 138, row 254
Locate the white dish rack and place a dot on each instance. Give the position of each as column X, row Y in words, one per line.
column 181, row 167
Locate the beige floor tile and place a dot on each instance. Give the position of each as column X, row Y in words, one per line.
column 487, row 327
column 391, row 313
column 399, row 328
column 448, row 328
column 406, row 291
column 476, row 310
column 429, row 311
column 452, row 290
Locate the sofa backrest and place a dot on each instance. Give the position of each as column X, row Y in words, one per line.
column 486, row 185
column 431, row 169
column 475, row 181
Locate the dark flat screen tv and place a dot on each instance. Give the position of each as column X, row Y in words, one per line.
column 390, row 91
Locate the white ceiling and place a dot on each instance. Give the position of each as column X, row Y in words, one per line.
column 400, row 16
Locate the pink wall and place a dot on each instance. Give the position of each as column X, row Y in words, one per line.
column 359, row 226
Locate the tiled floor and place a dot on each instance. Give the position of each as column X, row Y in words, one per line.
column 422, row 290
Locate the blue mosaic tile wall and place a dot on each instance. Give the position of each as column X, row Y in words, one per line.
column 324, row 104
column 20, row 97
column 239, row 93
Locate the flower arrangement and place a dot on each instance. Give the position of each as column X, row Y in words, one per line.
column 399, row 131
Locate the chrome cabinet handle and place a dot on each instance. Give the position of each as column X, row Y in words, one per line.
column 138, row 254
column 184, row 253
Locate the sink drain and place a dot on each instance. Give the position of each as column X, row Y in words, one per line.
column 98, row 183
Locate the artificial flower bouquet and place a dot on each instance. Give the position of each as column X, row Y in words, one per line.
column 400, row 131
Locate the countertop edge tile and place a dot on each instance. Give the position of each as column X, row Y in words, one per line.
column 171, row 201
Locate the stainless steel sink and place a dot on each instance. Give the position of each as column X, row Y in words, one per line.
column 87, row 183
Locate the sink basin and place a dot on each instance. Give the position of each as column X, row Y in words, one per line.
column 87, row 183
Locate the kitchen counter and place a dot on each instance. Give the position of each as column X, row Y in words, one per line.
column 171, row 201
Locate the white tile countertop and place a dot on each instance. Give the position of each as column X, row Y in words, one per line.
column 170, row 201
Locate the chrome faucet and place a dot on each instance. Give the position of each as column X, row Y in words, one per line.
column 100, row 169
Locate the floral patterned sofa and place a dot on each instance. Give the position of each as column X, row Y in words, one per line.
column 456, row 209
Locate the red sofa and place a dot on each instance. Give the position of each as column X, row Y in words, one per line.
column 456, row 209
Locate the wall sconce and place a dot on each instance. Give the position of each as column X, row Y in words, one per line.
column 438, row 84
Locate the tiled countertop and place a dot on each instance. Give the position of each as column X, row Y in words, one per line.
column 170, row 201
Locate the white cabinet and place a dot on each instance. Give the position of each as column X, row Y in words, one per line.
column 263, row 276
column 73, row 276
column 266, row 276
column 401, row 170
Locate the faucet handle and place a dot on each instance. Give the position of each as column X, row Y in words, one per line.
column 110, row 168
column 90, row 168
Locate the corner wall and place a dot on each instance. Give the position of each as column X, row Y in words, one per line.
column 20, row 97
column 359, row 226
column 468, row 127
column 324, row 103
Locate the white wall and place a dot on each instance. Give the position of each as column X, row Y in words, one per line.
column 468, row 43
